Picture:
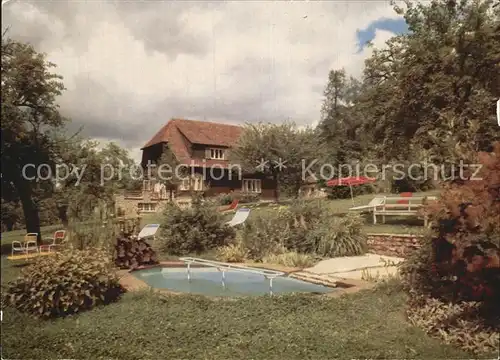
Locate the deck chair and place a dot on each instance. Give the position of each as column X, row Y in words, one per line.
column 148, row 230
column 57, row 240
column 240, row 217
column 29, row 244
column 377, row 201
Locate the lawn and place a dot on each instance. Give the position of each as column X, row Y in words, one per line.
column 369, row 324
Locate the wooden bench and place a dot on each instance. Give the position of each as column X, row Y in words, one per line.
column 389, row 206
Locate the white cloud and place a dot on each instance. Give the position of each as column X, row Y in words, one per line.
column 236, row 61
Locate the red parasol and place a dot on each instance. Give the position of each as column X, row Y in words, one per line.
column 350, row 181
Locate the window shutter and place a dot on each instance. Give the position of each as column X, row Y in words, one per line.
column 207, row 153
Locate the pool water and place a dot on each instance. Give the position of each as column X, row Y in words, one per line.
column 208, row 281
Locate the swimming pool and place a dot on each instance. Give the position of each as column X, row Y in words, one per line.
column 230, row 283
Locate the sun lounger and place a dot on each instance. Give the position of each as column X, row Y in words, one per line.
column 240, row 217
column 371, row 205
column 148, row 231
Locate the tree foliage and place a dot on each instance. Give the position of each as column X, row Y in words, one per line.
column 428, row 95
column 93, row 175
column 29, row 116
column 263, row 147
column 33, row 134
column 340, row 124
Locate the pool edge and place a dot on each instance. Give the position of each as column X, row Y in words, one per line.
column 343, row 286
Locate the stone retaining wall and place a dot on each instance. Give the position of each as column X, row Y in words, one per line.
column 393, row 245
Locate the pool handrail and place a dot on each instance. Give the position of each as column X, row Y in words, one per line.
column 228, row 266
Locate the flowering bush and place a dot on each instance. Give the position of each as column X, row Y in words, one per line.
column 461, row 262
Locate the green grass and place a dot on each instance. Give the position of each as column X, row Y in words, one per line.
column 370, row 324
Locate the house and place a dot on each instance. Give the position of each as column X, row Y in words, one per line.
column 202, row 147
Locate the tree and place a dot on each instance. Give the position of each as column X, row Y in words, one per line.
column 340, row 123
column 428, row 96
column 11, row 214
column 263, row 147
column 29, row 114
column 433, row 90
column 94, row 176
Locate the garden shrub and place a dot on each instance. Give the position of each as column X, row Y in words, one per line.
column 305, row 227
column 263, row 234
column 245, row 198
column 336, row 236
column 300, row 218
column 233, row 253
column 460, row 261
column 340, row 192
column 193, row 230
column 224, row 199
column 92, row 234
column 458, row 324
column 120, row 212
column 344, row 192
column 290, row 259
column 131, row 252
column 65, row 283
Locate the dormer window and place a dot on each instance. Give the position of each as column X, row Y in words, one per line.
column 216, row 154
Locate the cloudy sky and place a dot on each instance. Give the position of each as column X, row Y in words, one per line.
column 130, row 66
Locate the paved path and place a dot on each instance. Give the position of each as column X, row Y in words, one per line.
column 356, row 267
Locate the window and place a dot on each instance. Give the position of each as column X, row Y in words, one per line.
column 194, row 183
column 217, row 154
column 252, row 186
column 146, row 207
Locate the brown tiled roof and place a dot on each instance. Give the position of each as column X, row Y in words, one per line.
column 180, row 133
column 209, row 133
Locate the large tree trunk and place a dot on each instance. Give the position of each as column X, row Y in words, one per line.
column 30, row 210
column 9, row 225
column 62, row 211
column 276, row 188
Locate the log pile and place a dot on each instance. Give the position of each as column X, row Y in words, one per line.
column 131, row 253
